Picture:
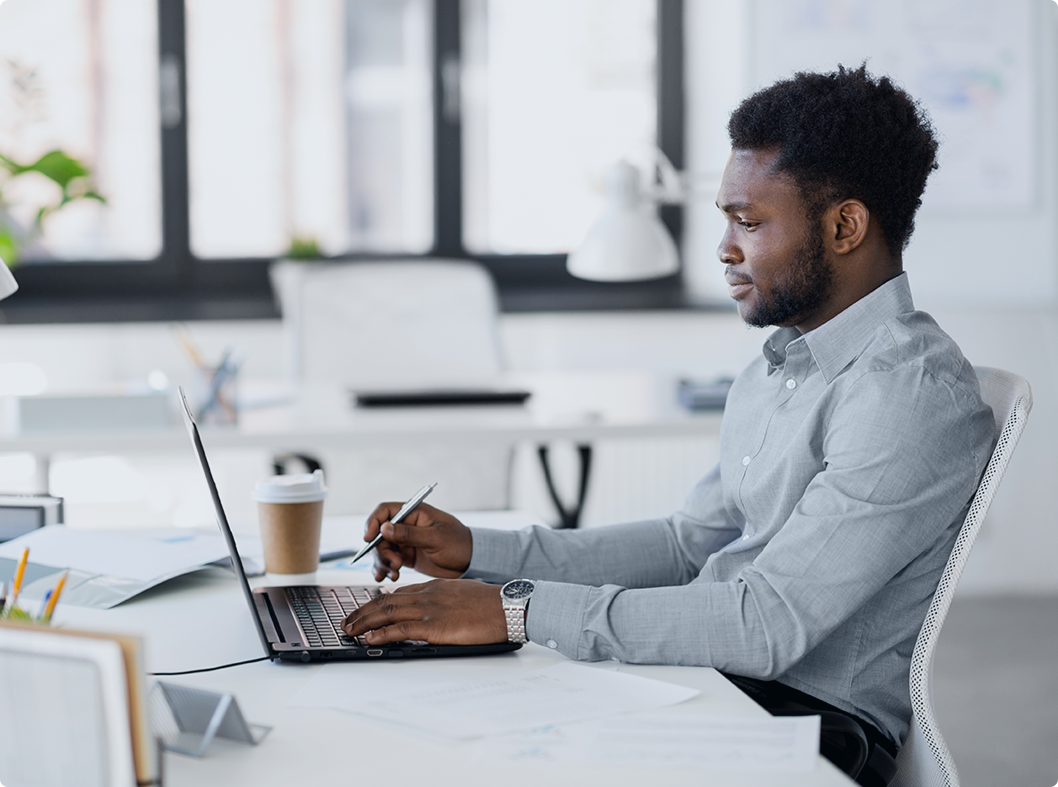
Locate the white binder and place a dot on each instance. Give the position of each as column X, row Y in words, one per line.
column 73, row 710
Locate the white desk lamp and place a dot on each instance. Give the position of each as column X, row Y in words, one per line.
column 629, row 242
column 8, row 285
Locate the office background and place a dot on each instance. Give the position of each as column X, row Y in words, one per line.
column 984, row 259
column 988, row 270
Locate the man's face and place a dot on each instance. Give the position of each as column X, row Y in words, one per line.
column 777, row 265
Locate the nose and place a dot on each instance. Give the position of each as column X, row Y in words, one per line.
column 728, row 251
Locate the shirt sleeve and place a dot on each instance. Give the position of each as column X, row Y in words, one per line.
column 896, row 475
column 668, row 551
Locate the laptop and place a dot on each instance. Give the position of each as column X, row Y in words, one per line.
column 302, row 622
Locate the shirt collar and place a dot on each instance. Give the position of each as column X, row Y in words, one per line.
column 838, row 341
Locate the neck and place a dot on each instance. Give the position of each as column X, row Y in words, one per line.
column 858, row 282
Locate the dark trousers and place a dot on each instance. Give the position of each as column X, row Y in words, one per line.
column 780, row 700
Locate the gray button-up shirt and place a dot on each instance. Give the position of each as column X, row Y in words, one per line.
column 848, row 457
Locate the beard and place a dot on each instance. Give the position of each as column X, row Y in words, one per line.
column 806, row 286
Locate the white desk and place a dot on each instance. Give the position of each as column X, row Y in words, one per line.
column 573, row 406
column 201, row 620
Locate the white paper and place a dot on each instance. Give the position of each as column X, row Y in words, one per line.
column 129, row 557
column 669, row 740
column 492, row 705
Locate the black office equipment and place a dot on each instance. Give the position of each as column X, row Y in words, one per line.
column 699, row 395
column 19, row 514
column 439, row 397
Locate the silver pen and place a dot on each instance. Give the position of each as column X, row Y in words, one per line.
column 405, row 509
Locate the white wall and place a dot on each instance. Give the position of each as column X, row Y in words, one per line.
column 991, row 279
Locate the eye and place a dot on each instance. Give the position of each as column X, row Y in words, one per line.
column 749, row 225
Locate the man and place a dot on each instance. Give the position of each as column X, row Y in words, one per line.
column 803, row 564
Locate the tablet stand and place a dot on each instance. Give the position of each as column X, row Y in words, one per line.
column 187, row 720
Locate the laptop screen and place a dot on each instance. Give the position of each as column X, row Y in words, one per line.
column 222, row 521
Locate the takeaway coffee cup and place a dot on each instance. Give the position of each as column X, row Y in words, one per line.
column 290, row 509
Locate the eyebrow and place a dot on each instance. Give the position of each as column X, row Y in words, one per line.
column 734, row 207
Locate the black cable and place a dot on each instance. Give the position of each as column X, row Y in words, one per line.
column 209, row 669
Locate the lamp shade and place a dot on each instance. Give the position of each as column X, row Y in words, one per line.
column 8, row 285
column 628, row 242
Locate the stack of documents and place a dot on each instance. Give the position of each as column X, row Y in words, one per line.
column 492, row 705
column 667, row 740
column 105, row 568
column 73, row 709
column 566, row 712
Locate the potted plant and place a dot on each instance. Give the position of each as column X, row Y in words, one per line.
column 71, row 176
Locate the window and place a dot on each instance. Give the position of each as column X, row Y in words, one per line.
column 81, row 78
column 537, row 141
column 328, row 106
column 225, row 133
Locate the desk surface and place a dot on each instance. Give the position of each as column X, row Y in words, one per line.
column 201, row 620
column 569, row 406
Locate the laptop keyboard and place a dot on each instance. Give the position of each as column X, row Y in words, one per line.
column 321, row 610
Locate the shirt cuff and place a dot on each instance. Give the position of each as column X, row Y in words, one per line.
column 491, row 555
column 555, row 617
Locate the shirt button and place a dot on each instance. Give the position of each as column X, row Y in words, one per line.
column 552, row 644
column 614, row 658
column 745, row 536
column 745, row 461
column 791, row 384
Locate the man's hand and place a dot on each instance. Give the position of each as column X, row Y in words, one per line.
column 441, row 612
column 429, row 540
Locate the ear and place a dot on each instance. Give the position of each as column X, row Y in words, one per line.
column 846, row 225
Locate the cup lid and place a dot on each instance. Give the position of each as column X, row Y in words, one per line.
column 301, row 488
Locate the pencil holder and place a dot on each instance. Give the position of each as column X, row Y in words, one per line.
column 14, row 613
column 216, row 390
column 187, row 720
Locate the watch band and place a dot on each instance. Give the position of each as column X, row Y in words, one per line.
column 516, row 623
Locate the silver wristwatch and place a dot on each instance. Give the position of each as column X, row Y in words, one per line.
column 516, row 595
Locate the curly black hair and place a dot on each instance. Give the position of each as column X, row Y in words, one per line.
column 845, row 135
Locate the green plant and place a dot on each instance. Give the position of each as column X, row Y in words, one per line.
column 71, row 176
column 303, row 248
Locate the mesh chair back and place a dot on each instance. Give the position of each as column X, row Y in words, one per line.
column 924, row 759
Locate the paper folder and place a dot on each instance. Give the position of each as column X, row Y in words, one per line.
column 74, row 709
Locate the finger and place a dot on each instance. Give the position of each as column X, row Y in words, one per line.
column 383, row 571
column 379, row 613
column 405, row 589
column 398, row 632
column 386, row 607
column 408, row 534
column 389, row 555
column 382, row 513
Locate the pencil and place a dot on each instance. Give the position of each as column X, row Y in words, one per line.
column 44, row 605
column 50, row 608
column 184, row 338
column 16, row 585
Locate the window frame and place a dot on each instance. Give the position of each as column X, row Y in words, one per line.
column 177, row 285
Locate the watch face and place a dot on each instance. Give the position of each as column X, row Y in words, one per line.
column 518, row 588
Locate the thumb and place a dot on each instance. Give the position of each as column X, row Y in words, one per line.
column 409, row 535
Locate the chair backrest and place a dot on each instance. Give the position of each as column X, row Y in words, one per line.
column 924, row 759
column 393, row 323
column 383, row 325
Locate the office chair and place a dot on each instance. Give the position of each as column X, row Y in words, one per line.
column 389, row 323
column 924, row 759
column 384, row 325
